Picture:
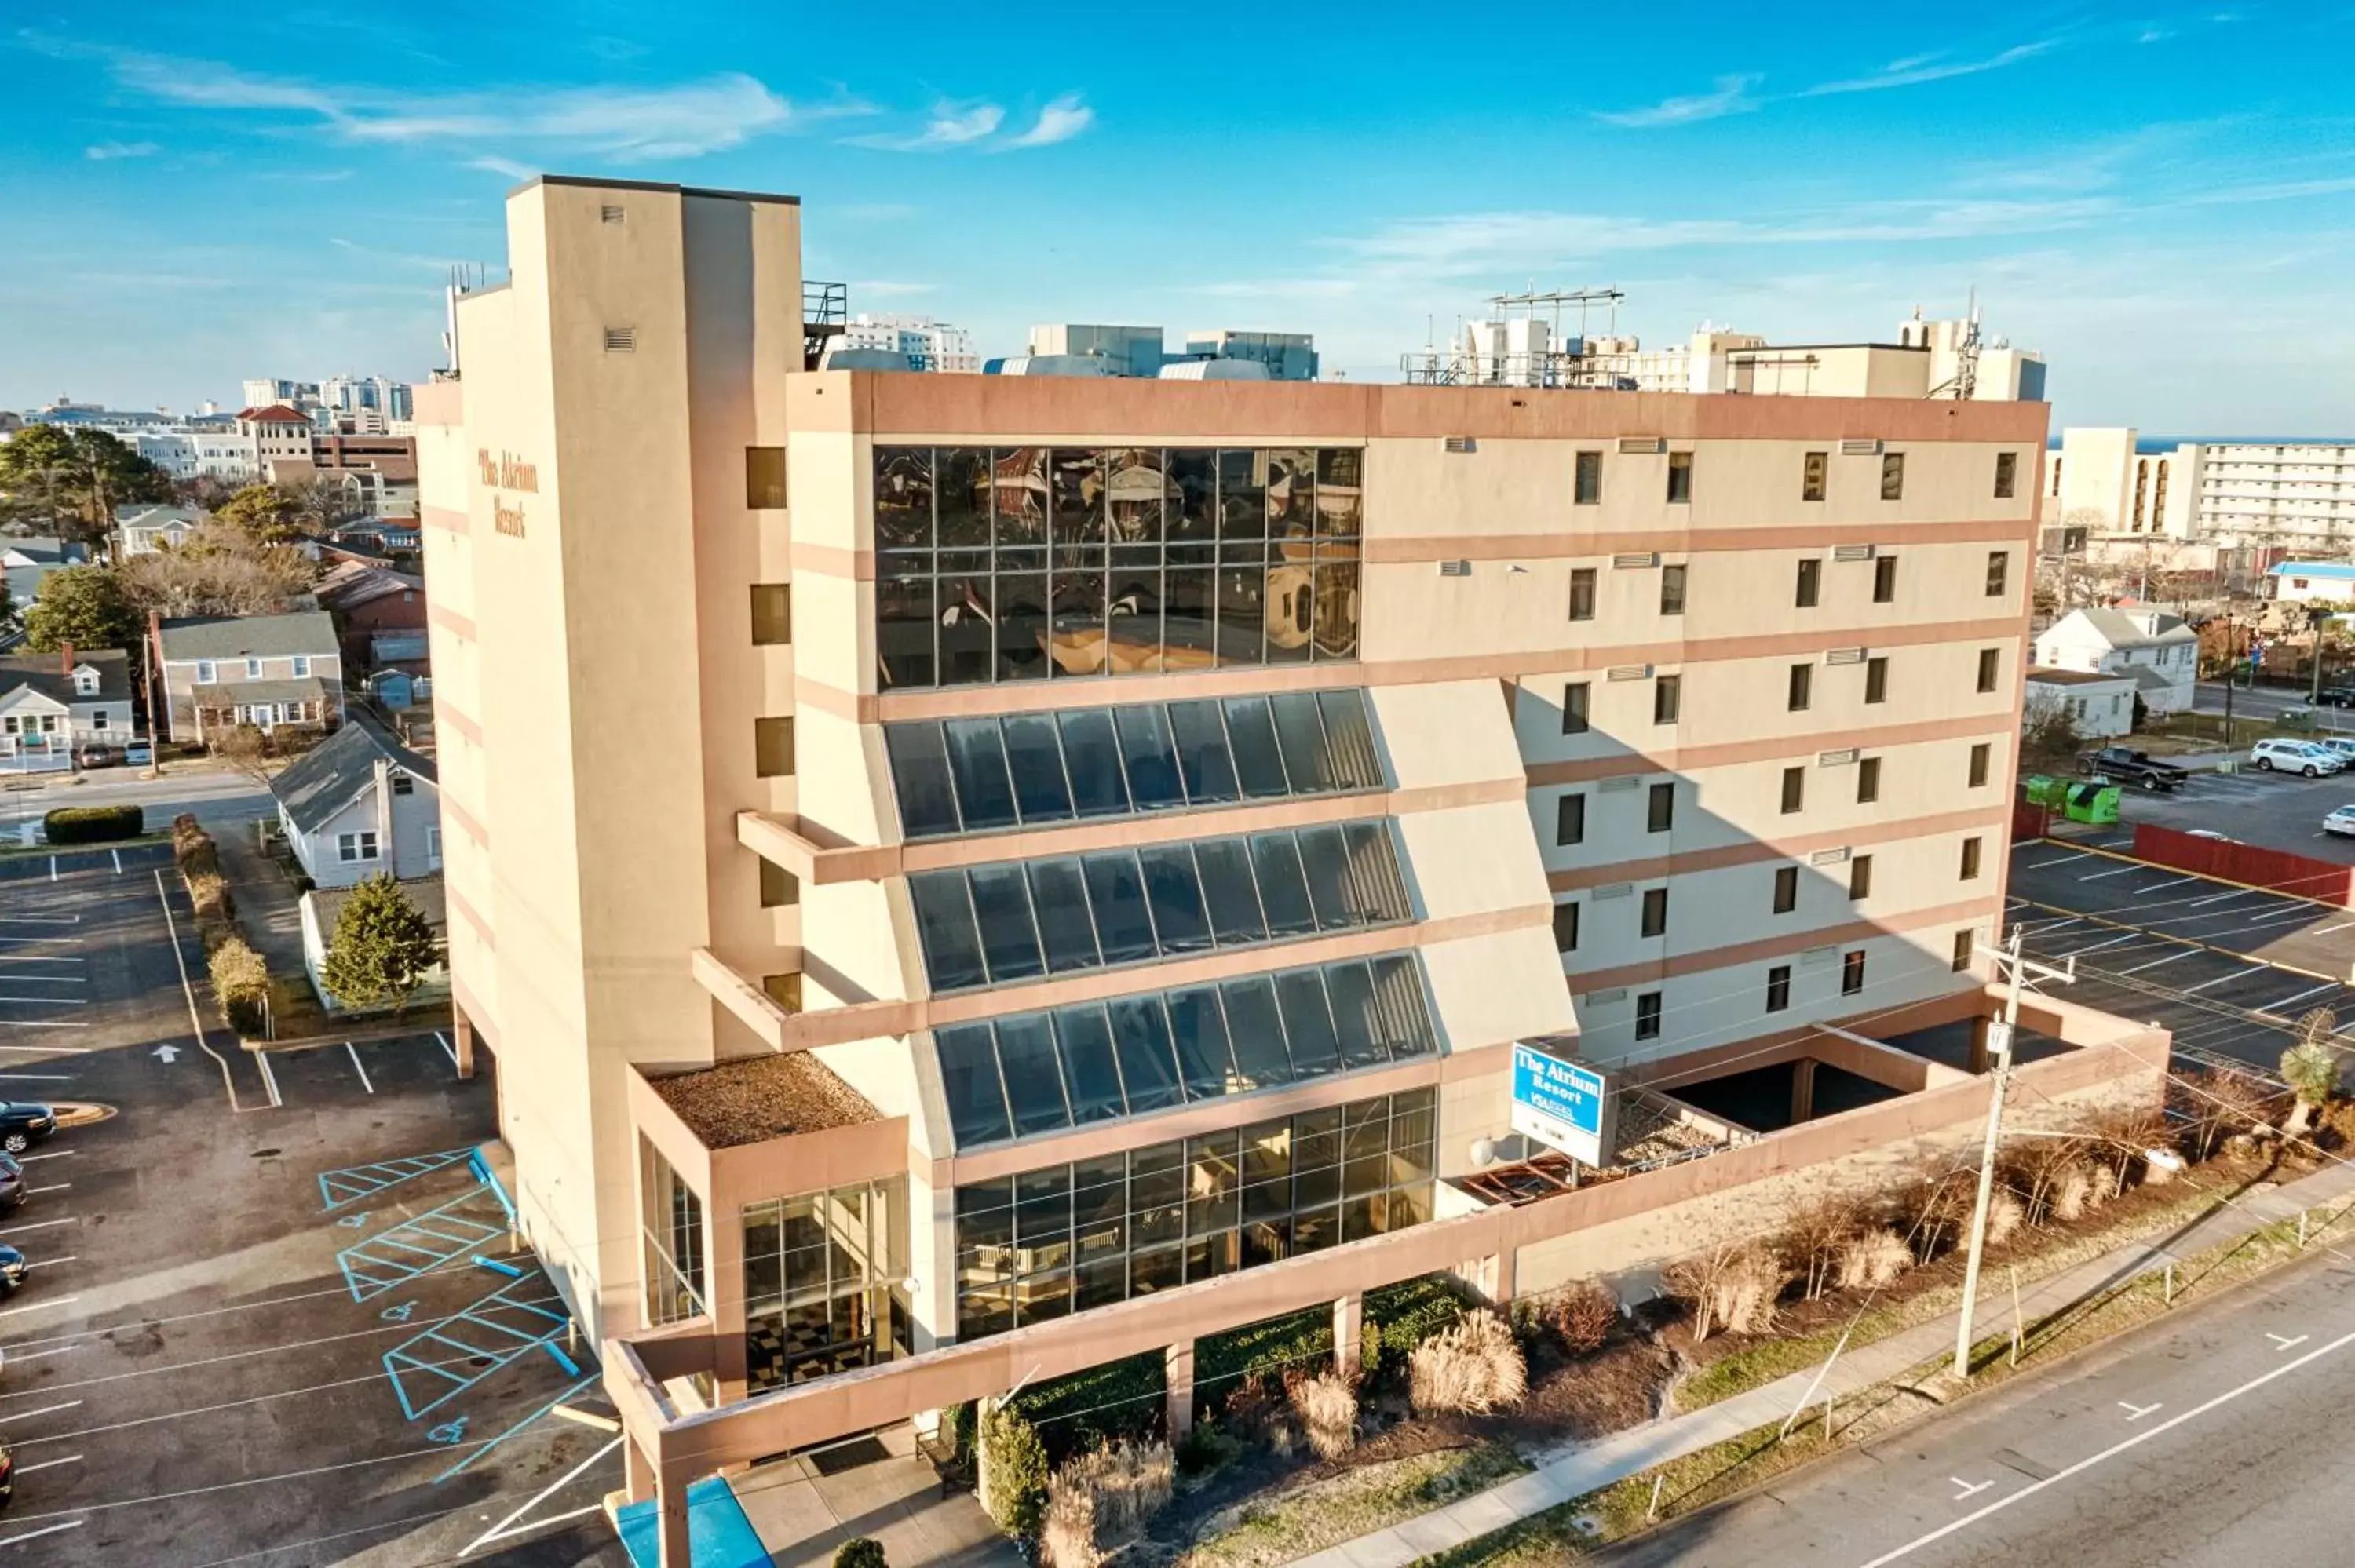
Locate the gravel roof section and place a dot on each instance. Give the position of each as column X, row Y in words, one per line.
column 758, row 1097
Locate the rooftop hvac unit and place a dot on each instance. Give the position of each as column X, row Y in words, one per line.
column 1851, row 552
column 1637, row 558
column 1840, row 758
column 1861, row 446
column 1616, row 890
column 1459, row 444
column 1844, row 656
column 1601, row 998
column 1629, row 673
column 1454, row 568
column 1815, row 956
column 1829, row 857
column 1637, row 446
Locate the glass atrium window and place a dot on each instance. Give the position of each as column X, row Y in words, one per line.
column 1048, row 1072
column 1030, row 563
column 970, row 776
column 1047, row 1243
column 1016, row 920
column 820, row 1273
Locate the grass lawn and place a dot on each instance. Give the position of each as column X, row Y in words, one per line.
column 1321, row 1513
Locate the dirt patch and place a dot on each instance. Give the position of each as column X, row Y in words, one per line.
column 1578, row 1401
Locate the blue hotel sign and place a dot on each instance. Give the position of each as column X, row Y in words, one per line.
column 1559, row 1104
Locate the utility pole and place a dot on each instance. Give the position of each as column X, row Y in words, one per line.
column 2232, row 639
column 2316, row 619
column 2014, row 970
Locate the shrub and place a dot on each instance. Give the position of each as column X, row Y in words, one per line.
column 861, row 1552
column 2072, row 1190
column 1328, row 1408
column 1014, row 1473
column 1933, row 1211
column 1412, row 1310
column 209, row 892
column 240, row 985
column 1103, row 1405
column 1067, row 1533
column 1205, row 1447
column 1123, row 1485
column 1813, row 1231
column 1581, row 1319
column 2006, row 1214
column 93, row 824
column 1732, row 1285
column 1873, row 1260
column 1474, row 1368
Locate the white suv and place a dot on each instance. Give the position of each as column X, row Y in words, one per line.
column 2295, row 756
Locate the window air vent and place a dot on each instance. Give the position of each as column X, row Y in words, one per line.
column 609, row 214
column 1602, row 998
column 1844, row 656
column 1629, row 673
column 1840, row 758
column 1637, row 558
column 1614, row 890
column 1829, row 857
column 1851, row 552
column 1454, row 568
column 621, row 340
column 1861, row 446
column 1815, row 956
column 1459, row 444
column 1636, row 445
column 1626, row 781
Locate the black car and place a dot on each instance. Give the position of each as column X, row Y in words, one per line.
column 12, row 1184
column 13, row 1269
column 24, row 1124
column 2336, row 698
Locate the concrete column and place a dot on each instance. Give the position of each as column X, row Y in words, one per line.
column 637, row 1476
column 1177, row 1365
column 1501, row 1270
column 1979, row 1059
column 670, row 1504
column 1803, row 1090
column 464, row 1030
column 1348, row 1335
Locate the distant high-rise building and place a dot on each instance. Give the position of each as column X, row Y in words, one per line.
column 928, row 344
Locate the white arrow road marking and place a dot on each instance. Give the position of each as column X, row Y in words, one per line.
column 166, row 1053
column 1967, row 1489
column 2280, row 1343
column 2136, row 1412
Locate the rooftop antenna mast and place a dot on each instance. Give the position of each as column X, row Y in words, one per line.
column 1963, row 385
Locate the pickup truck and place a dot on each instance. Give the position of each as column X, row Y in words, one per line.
column 2122, row 764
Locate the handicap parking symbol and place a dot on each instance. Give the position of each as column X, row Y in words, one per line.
column 448, row 1431
column 352, row 1222
column 397, row 1314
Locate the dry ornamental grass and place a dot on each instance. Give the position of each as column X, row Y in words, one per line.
column 1473, row 1369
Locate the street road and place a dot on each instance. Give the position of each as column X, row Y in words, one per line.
column 2217, row 1441
column 2268, row 702
column 216, row 798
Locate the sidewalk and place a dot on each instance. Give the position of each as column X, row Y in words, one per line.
column 1594, row 1466
column 268, row 910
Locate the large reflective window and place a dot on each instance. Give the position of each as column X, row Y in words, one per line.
column 1011, row 920
column 1067, row 1238
column 1037, row 769
column 1023, row 563
column 1036, row 1072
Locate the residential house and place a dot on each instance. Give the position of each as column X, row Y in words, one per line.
column 140, row 529
column 28, row 562
column 373, row 605
column 52, row 705
column 2312, row 582
column 2100, row 706
column 2161, row 652
column 323, row 906
column 360, row 804
column 273, row 671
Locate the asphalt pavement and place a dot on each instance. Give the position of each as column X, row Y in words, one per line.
column 2218, row 1442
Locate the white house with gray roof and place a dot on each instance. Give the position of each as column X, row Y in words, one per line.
column 140, row 529
column 52, row 705
column 360, row 804
column 2159, row 653
column 272, row 672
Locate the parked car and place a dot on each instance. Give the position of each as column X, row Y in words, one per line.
column 12, row 1184
column 2212, row 833
column 24, row 1124
column 2340, row 821
column 13, row 1269
column 138, row 754
column 2336, row 698
column 2344, row 744
column 2123, row 764
column 98, row 754
column 2303, row 757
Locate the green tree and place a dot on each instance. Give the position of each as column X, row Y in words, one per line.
column 1014, row 1473
column 81, row 605
column 2310, row 1068
column 264, row 513
column 865, row 1551
column 381, row 947
column 76, row 478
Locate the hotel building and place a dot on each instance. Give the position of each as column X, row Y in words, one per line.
column 965, row 878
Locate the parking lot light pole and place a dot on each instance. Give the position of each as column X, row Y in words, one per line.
column 2014, row 968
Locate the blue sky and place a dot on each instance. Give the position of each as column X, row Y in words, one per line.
column 2162, row 197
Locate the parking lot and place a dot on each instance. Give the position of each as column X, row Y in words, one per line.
column 2275, row 810
column 276, row 1316
column 2229, row 970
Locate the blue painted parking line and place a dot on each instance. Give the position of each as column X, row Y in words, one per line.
column 571, row 1368
column 391, row 1258
column 353, row 1182
column 496, row 1266
column 435, row 1366
column 518, row 1427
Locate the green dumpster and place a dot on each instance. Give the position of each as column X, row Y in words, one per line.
column 2094, row 804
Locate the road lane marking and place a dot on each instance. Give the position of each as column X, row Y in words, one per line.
column 1968, row 1490
column 38, row 1024
column 2169, row 958
column 447, row 1049
column 55, row 1187
column 188, row 992
column 2220, row 980
column 45, row 1410
column 2063, row 860
column 269, row 1079
column 2171, row 882
column 37, row 1077
column 53, row 1154
column 45, row 1530
column 41, row 920
column 38, row 1306
column 2342, row 926
column 49, row 1464
column 2136, row 1412
column 38, row 1225
column 2097, row 947
column 2281, row 1343
column 2301, row 996
column 2114, row 871
column 357, row 1068
column 561, row 1481
column 2112, row 1451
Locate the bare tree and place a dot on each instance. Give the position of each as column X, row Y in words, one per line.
column 219, row 570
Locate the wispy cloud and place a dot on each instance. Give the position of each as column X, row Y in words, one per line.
column 1731, row 97
column 1915, row 70
column 1060, row 121
column 950, row 126
column 1279, row 289
column 683, row 120
column 404, row 258
column 885, row 287
column 505, row 166
column 106, row 152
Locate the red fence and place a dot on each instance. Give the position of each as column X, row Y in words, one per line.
column 2029, row 821
column 2276, row 869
